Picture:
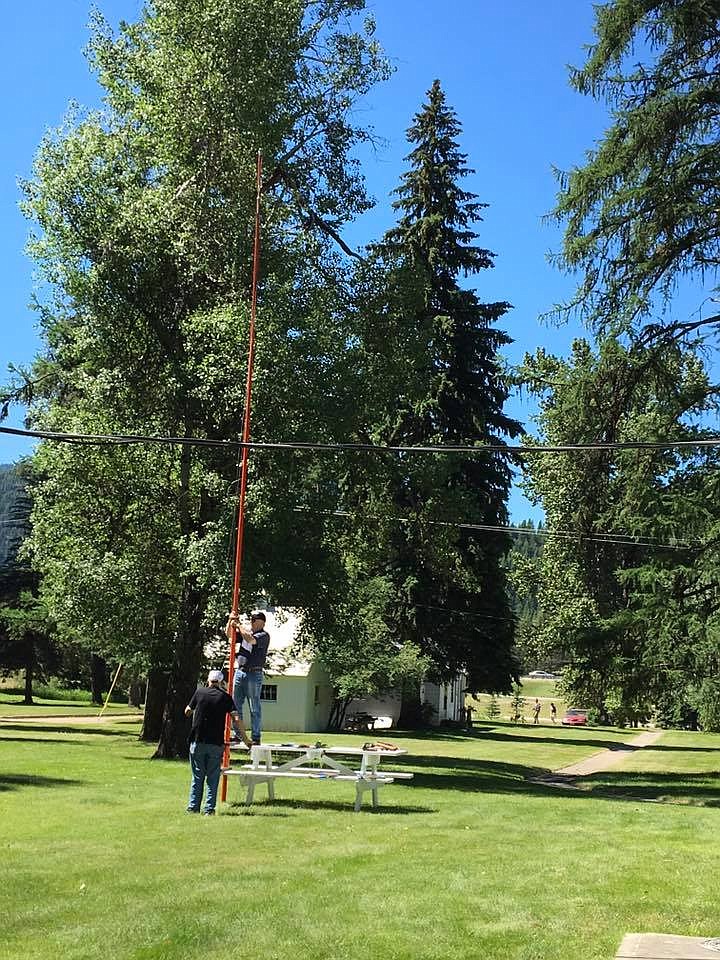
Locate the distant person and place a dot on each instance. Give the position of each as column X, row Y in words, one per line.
column 469, row 711
column 248, row 680
column 536, row 711
column 209, row 706
column 553, row 712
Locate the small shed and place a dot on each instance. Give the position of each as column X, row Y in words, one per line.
column 296, row 694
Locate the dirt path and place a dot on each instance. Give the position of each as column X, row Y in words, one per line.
column 607, row 759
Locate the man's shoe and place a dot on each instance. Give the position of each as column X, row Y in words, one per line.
column 192, row 810
column 208, row 813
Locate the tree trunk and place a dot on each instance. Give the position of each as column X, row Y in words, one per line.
column 29, row 672
column 135, row 694
column 157, row 684
column 183, row 678
column 337, row 713
column 98, row 678
column 411, row 714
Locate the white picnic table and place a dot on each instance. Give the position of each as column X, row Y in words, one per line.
column 317, row 763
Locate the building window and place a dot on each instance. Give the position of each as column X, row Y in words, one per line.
column 268, row 691
column 445, row 699
column 452, row 693
column 317, row 694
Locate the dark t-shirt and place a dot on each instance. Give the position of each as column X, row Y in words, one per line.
column 257, row 657
column 210, row 706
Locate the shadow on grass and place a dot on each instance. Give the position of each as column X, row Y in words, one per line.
column 560, row 741
column 239, row 809
column 494, row 734
column 690, row 789
column 569, row 736
column 485, row 776
column 53, row 728
column 41, row 740
column 15, row 781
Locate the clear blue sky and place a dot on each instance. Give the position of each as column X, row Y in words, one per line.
column 503, row 67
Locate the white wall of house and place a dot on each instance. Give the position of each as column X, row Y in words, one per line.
column 297, row 703
column 446, row 699
column 385, row 708
column 297, row 694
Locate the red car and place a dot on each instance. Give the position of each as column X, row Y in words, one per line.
column 575, row 718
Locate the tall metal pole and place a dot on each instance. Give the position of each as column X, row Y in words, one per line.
column 245, row 456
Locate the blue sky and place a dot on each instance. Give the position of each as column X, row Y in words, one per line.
column 503, row 68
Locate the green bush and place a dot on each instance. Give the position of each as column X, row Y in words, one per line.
column 50, row 691
column 708, row 705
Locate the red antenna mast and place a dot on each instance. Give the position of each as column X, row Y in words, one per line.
column 245, row 456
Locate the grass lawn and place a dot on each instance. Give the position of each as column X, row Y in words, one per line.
column 544, row 690
column 12, row 705
column 469, row 860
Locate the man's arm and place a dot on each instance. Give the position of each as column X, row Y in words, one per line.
column 239, row 726
column 233, row 627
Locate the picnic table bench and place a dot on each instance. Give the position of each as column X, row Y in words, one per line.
column 361, row 722
column 316, row 763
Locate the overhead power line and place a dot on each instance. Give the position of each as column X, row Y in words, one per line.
column 505, row 449
column 617, row 539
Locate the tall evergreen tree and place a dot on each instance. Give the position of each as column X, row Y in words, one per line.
column 25, row 643
column 640, row 215
column 631, row 598
column 449, row 592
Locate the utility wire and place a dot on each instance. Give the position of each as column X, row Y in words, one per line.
column 615, row 539
column 610, row 538
column 501, row 448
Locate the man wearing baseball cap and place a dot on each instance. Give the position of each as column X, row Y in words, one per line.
column 248, row 679
column 209, row 707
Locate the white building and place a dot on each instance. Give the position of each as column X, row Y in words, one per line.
column 297, row 693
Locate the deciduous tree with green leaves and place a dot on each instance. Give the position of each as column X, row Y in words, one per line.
column 143, row 215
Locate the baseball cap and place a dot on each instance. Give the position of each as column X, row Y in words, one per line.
column 216, row 676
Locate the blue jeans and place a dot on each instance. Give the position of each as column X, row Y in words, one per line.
column 249, row 688
column 205, row 763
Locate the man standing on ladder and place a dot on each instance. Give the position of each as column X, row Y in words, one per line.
column 248, row 677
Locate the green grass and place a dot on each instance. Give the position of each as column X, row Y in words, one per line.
column 11, row 705
column 469, row 860
column 545, row 690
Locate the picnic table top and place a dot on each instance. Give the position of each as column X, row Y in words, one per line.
column 337, row 749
